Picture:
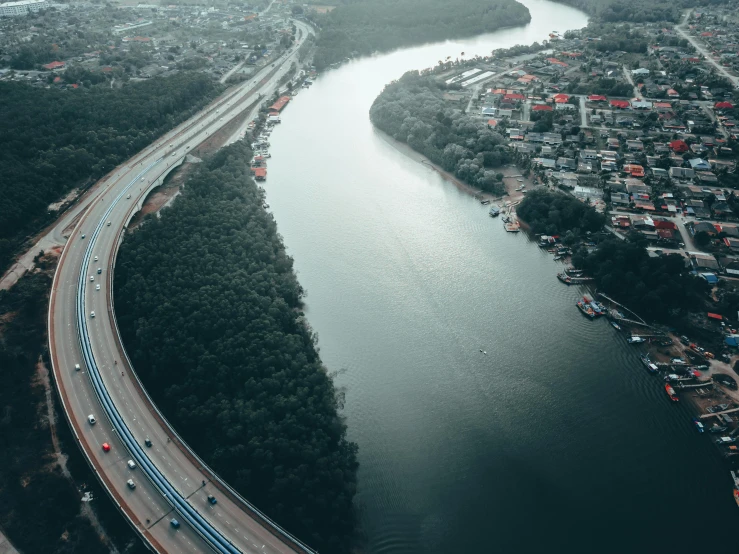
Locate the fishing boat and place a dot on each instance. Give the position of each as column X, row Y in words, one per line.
column 484, row 202
column 717, row 429
column 736, row 497
column 698, row 425
column 616, row 326
column 735, row 478
column 671, row 392
column 557, row 258
column 586, row 308
column 635, row 340
column 494, row 210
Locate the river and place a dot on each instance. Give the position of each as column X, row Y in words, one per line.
column 557, row 439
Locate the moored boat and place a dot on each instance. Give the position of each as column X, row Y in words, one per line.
column 698, row 425
column 616, row 326
column 586, row 308
column 671, row 392
column 736, row 497
column 494, row 210
column 635, row 340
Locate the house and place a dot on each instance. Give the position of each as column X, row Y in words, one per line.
column 681, row 173
column 541, row 108
column 704, row 227
column 704, row 261
column 699, row 164
column 635, row 170
column 635, row 145
column 566, row 163
column 588, row 155
column 679, row 146
column 53, row 65
column 597, row 98
column 620, row 104
column 620, row 198
column 672, row 93
column 641, row 72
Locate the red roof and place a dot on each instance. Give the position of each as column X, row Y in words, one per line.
column 54, row 65
column 723, row 105
column 620, row 104
column 514, row 96
column 679, row 146
column 493, row 122
column 561, row 98
column 715, row 316
column 281, row 103
column 597, row 98
column 542, row 108
column 260, row 171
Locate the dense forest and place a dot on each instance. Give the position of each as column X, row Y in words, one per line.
column 209, row 307
column 52, row 140
column 40, row 507
column 360, row 28
column 412, row 110
column 636, row 10
column 556, row 213
column 658, row 288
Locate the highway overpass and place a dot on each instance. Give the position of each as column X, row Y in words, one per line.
column 171, row 481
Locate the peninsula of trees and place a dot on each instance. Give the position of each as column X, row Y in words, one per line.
column 362, row 27
column 660, row 288
column 53, row 140
column 209, row 308
column 412, row 110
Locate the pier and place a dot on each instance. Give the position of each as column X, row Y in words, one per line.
column 704, row 416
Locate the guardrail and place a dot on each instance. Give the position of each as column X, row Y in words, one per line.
column 275, row 527
column 212, row 536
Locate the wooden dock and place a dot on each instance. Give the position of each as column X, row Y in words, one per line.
column 704, row 416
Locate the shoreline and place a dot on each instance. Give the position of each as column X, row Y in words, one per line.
column 509, row 171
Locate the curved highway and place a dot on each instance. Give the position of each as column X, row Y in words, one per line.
column 94, row 376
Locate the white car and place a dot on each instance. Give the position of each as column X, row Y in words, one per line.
column 131, row 464
column 91, row 419
column 96, row 258
column 92, row 314
column 131, row 484
column 108, row 223
column 129, row 196
column 97, row 287
column 92, row 277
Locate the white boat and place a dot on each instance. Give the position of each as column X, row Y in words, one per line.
column 636, row 340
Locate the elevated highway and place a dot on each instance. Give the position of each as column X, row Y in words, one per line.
column 171, row 482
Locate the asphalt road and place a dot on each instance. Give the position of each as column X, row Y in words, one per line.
column 144, row 506
column 702, row 50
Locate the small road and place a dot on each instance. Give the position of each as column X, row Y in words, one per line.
column 630, row 79
column 702, row 50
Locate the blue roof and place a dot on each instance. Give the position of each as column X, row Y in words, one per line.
column 710, row 278
column 731, row 341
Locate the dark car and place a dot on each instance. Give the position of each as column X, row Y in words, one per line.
column 147, row 442
column 212, row 499
column 174, row 523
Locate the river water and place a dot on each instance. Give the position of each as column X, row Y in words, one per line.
column 555, row 440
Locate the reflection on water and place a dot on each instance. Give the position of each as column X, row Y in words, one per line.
column 557, row 439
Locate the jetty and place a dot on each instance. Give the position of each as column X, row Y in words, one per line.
column 704, row 416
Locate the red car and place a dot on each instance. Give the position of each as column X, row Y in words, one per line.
column 106, row 447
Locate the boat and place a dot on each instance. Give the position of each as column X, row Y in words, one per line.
column 735, row 478
column 494, row 210
column 586, row 308
column 616, row 326
column 698, row 425
column 635, row 340
column 671, row 392
column 651, row 367
column 557, row 258
column 736, row 497
column 484, row 202
column 717, row 429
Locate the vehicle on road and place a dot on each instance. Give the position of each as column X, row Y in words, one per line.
column 127, row 197
column 174, row 523
column 76, row 367
column 96, row 258
column 83, row 235
column 131, row 464
column 131, row 484
column 92, row 277
column 212, row 499
column 92, row 314
column 147, row 442
column 97, row 287
column 100, row 270
column 91, row 419
column 108, row 223
column 106, row 447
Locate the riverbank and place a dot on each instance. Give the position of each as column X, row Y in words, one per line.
column 510, row 172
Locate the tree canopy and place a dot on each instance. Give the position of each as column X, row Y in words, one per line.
column 52, row 140
column 209, row 309
column 412, row 110
column 556, row 213
column 360, row 28
column 657, row 287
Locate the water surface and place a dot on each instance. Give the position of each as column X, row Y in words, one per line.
column 557, row 440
